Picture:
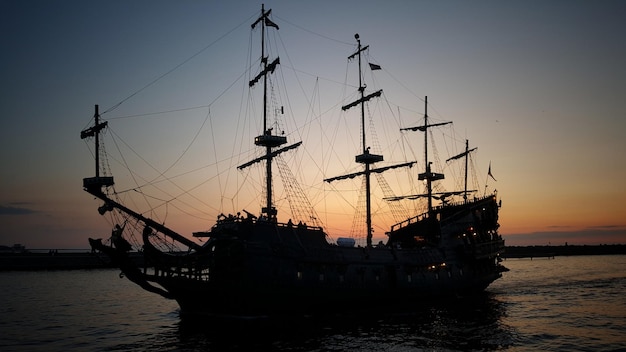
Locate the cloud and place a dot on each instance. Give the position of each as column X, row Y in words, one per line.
column 607, row 227
column 10, row 210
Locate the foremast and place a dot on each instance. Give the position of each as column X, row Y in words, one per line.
column 94, row 186
column 366, row 158
column 267, row 139
column 96, row 181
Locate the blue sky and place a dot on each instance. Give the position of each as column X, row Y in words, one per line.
column 538, row 85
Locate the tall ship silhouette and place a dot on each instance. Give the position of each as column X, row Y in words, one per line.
column 270, row 263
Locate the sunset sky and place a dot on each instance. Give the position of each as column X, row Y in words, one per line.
column 538, row 86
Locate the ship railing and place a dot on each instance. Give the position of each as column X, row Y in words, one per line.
column 423, row 216
column 460, row 202
column 237, row 219
column 174, row 267
column 182, row 272
column 299, row 225
column 488, row 249
column 409, row 221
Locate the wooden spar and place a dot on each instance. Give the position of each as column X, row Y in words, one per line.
column 110, row 204
column 366, row 158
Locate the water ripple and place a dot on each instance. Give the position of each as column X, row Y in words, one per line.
column 569, row 303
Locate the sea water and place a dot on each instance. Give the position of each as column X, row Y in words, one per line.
column 561, row 304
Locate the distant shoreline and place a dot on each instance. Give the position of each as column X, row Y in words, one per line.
column 53, row 260
column 566, row 250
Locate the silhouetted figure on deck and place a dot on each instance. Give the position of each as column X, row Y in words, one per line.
column 118, row 241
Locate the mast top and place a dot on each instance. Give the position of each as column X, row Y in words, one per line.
column 95, row 184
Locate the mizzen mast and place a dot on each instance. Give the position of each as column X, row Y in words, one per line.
column 464, row 154
column 428, row 175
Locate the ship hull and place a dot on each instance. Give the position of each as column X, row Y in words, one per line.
column 207, row 299
column 394, row 289
column 252, row 267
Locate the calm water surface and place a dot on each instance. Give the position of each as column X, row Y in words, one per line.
column 564, row 304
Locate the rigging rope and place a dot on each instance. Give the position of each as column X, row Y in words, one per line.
column 314, row 33
column 177, row 66
column 398, row 211
column 301, row 209
column 358, row 231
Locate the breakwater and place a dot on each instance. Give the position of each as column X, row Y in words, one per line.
column 54, row 260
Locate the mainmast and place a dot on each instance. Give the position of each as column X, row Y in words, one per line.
column 267, row 139
column 366, row 158
column 94, row 185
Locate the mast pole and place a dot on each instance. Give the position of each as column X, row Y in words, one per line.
column 264, row 61
column 368, row 196
column 268, row 148
column 96, row 182
column 366, row 157
column 361, row 90
column 429, row 187
column 266, row 139
column 97, row 151
column 466, row 157
column 428, row 175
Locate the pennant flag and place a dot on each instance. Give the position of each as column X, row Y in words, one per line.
column 490, row 174
column 269, row 23
column 374, row 67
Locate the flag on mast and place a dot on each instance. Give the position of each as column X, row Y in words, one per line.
column 269, row 23
column 374, row 67
column 490, row 174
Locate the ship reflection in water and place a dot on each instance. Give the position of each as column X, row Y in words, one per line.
column 460, row 324
column 533, row 309
column 96, row 310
